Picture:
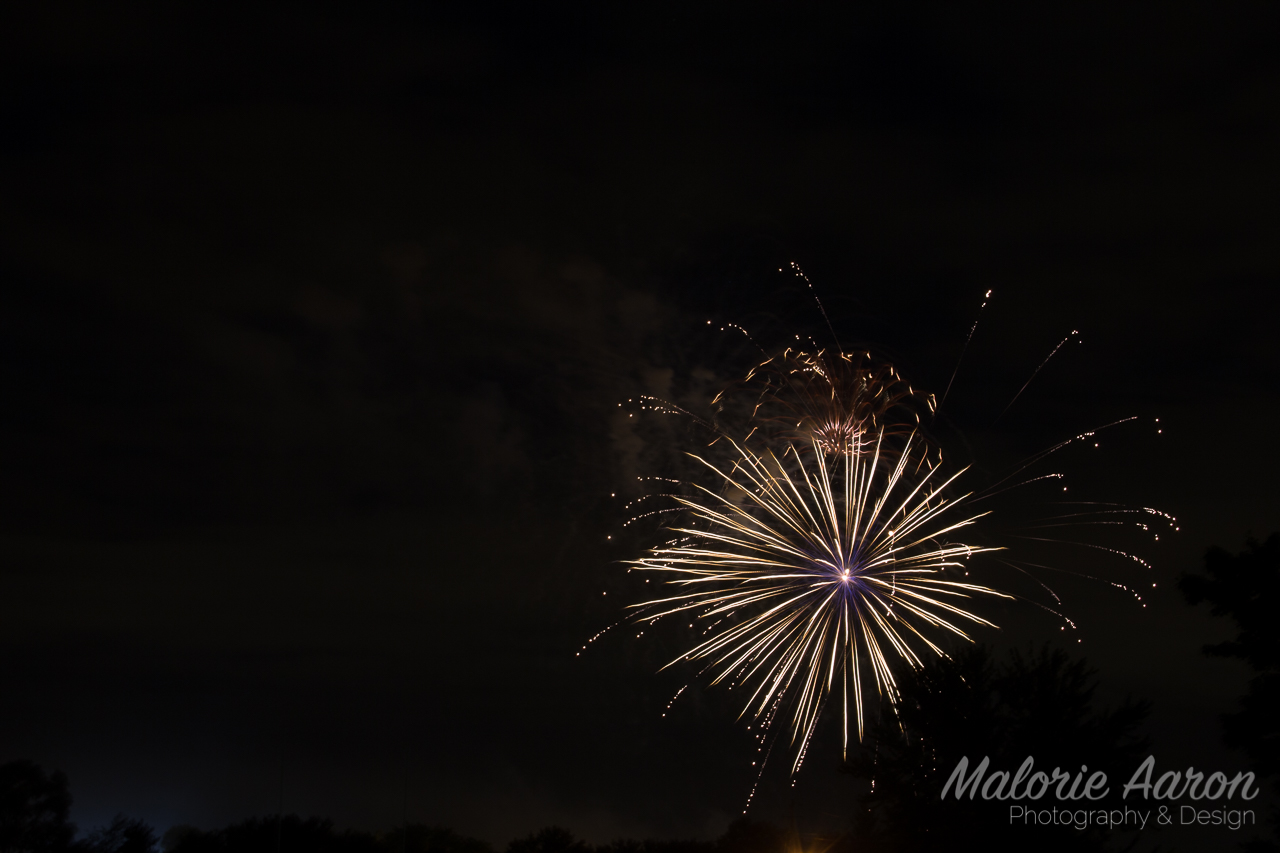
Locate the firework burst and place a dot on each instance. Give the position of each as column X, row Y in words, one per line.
column 822, row 546
column 818, row 573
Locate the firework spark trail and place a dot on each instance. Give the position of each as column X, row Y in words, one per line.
column 963, row 350
column 991, row 490
column 1116, row 584
column 1036, row 373
column 673, row 700
column 1047, row 588
column 1171, row 519
column 813, row 291
column 1082, row 524
column 822, row 570
column 1096, row 512
column 666, row 407
column 766, row 727
column 664, row 511
column 598, row 635
column 745, row 334
column 1133, row 557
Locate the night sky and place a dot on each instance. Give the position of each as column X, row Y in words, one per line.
column 316, row 321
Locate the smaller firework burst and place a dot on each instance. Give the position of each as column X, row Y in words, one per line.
column 832, row 402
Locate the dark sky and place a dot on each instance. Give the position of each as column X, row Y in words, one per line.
column 316, row 320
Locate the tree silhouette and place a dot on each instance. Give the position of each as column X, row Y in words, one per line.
column 652, row 846
column 431, row 839
column 122, row 835
column 259, row 835
column 1245, row 587
column 553, row 839
column 750, row 836
column 1038, row 704
column 33, row 810
column 742, row 836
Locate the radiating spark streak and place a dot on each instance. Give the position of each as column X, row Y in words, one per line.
column 1157, row 512
column 662, row 511
column 990, row 494
column 768, row 724
column 1080, row 524
column 1036, row 372
column 829, row 569
column 1047, row 588
column 963, row 350
column 1133, row 557
column 1049, row 451
column 1126, row 511
column 673, row 700
column 601, row 633
column 1064, row 571
column 1086, row 576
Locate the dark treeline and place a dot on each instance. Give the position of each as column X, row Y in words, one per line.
column 268, row 835
column 34, row 818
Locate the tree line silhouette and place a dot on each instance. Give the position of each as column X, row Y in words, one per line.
column 1039, row 703
column 34, row 818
